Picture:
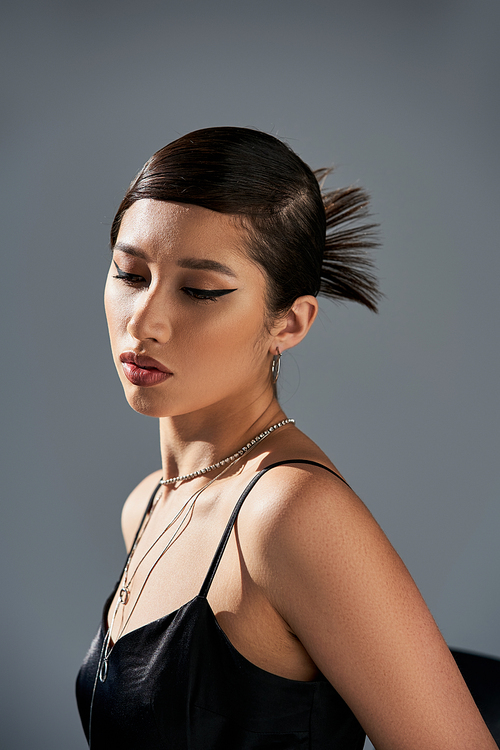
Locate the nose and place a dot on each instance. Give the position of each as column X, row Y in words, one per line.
column 149, row 319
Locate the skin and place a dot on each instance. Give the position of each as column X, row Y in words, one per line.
column 308, row 582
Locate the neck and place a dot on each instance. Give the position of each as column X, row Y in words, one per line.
column 192, row 442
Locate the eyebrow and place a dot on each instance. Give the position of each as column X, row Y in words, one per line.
column 205, row 264
column 129, row 250
column 195, row 264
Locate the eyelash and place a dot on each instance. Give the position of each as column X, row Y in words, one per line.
column 201, row 295
column 205, row 295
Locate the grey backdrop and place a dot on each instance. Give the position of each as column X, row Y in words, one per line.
column 403, row 97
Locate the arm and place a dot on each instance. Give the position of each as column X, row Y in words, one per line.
column 334, row 578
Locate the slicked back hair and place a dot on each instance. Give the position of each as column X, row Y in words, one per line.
column 306, row 242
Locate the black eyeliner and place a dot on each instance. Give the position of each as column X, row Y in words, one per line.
column 208, row 293
column 121, row 274
column 212, row 292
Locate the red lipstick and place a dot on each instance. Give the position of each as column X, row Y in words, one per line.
column 142, row 370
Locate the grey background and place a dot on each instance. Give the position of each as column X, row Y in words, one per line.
column 402, row 97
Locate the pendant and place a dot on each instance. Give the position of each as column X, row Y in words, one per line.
column 124, row 594
column 103, row 670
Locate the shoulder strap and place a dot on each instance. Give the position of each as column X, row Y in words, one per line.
column 234, row 515
column 148, row 508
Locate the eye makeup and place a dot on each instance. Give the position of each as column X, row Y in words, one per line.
column 131, row 278
column 196, row 294
column 206, row 294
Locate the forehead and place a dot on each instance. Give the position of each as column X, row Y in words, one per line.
column 163, row 228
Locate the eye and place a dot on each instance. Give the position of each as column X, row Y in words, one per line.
column 206, row 295
column 129, row 278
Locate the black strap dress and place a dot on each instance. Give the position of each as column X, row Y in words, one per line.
column 179, row 684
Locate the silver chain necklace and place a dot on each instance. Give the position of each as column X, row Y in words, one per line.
column 124, row 593
column 229, row 459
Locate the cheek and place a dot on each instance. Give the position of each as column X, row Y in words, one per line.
column 243, row 346
column 239, row 332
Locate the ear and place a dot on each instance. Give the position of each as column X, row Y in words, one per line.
column 292, row 327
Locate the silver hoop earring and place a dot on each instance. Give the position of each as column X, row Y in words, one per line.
column 276, row 365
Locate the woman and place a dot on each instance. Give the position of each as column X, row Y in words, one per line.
column 305, row 629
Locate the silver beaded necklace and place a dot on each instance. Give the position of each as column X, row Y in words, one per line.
column 229, row 459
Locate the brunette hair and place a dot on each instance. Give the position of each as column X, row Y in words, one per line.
column 306, row 242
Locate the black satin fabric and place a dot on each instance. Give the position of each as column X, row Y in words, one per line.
column 178, row 684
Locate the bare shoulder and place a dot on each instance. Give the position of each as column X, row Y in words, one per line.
column 314, row 531
column 135, row 506
column 303, row 496
column 306, row 521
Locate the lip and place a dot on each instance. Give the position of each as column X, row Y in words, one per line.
column 142, row 370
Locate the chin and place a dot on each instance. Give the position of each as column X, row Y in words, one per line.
column 143, row 404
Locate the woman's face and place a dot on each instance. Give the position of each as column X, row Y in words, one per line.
column 180, row 291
